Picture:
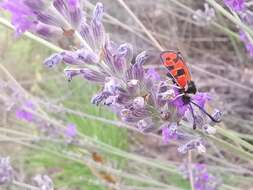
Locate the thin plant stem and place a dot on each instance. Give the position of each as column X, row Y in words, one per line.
column 93, row 164
column 156, row 43
column 232, row 18
column 190, row 170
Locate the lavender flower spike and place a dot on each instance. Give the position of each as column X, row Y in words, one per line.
column 53, row 60
column 235, row 5
column 6, row 171
column 202, row 179
column 191, row 145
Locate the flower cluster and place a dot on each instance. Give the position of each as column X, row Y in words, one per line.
column 15, row 101
column 27, row 112
column 6, row 171
column 235, row 5
column 246, row 15
column 140, row 97
column 202, row 179
column 204, row 17
column 43, row 182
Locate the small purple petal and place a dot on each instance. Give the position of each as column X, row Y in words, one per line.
column 61, row 6
column 75, row 14
column 151, row 73
column 98, row 13
column 179, row 104
column 86, row 32
column 22, row 114
column 98, row 98
column 96, row 25
column 48, row 32
column 126, row 51
column 145, row 125
column 88, row 74
column 53, row 60
column 71, row 131
column 201, row 99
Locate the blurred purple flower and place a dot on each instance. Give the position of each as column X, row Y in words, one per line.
column 235, row 5
column 71, row 131
column 44, row 182
column 191, row 145
column 6, row 171
column 145, row 125
column 247, row 43
column 23, row 114
column 70, row 9
column 202, row 179
column 204, row 17
column 22, row 15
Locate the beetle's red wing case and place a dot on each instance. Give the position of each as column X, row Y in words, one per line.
column 177, row 67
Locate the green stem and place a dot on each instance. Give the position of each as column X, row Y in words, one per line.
column 235, row 138
column 228, row 146
column 91, row 163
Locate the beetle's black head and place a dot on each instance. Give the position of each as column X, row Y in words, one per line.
column 191, row 88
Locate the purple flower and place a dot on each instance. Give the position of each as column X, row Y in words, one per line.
column 88, row 74
column 21, row 113
column 202, row 179
column 235, row 5
column 53, row 60
column 153, row 74
column 71, row 131
column 191, row 145
column 247, row 43
column 70, row 9
column 145, row 125
column 201, row 99
column 22, row 15
column 179, row 104
column 6, row 171
column 169, row 131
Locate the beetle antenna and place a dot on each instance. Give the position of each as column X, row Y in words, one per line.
column 205, row 112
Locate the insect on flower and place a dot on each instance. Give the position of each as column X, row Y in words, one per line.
column 181, row 77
